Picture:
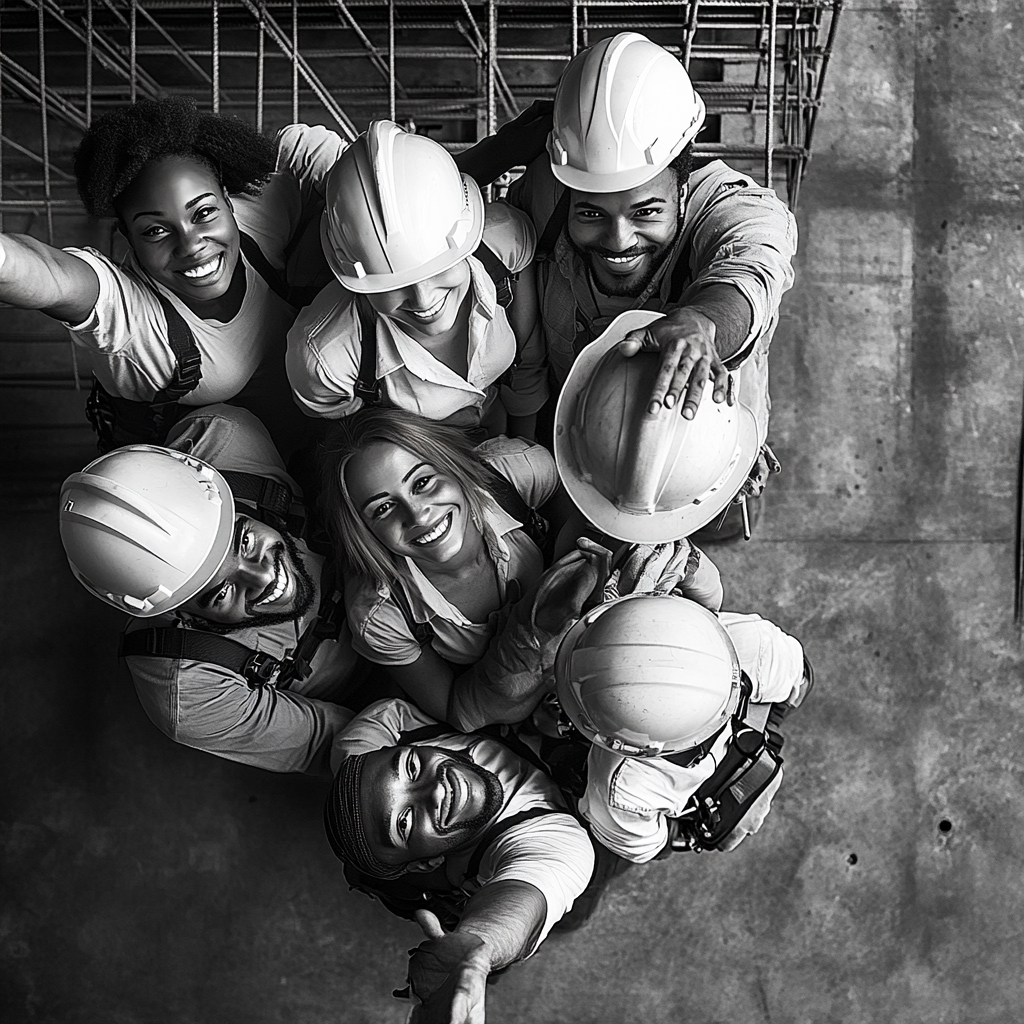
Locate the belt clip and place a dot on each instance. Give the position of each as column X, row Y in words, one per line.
column 260, row 669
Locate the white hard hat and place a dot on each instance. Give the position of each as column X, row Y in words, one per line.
column 643, row 477
column 647, row 675
column 397, row 211
column 624, row 109
column 146, row 528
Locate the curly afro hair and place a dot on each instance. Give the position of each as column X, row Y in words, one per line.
column 121, row 143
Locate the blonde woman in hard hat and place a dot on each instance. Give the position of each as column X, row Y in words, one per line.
column 417, row 318
column 438, row 538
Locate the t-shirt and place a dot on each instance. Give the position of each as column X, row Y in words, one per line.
column 551, row 852
column 325, row 346
column 628, row 799
column 284, row 728
column 380, row 631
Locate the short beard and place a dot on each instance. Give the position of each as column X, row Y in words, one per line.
column 494, row 796
column 626, row 289
column 303, row 601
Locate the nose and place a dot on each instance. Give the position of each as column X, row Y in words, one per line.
column 417, row 511
column 189, row 240
column 421, row 295
column 255, row 573
column 620, row 234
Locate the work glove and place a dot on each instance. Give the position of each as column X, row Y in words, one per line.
column 518, row 668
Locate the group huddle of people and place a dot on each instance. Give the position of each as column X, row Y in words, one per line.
column 405, row 488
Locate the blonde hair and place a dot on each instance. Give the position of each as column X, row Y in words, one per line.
column 445, row 447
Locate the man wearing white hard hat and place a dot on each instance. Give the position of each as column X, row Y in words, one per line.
column 238, row 643
column 624, row 222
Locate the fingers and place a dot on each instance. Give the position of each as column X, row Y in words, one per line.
column 430, row 924
column 724, row 387
column 695, row 388
column 637, row 341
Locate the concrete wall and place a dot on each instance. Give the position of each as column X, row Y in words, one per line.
column 148, row 884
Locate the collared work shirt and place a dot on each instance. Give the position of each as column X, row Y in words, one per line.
column 552, row 852
column 325, row 347
column 733, row 232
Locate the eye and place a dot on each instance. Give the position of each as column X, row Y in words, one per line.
column 378, row 511
column 422, row 483
column 247, row 544
column 405, row 825
column 588, row 214
column 649, row 211
column 206, row 212
column 154, row 231
column 412, row 765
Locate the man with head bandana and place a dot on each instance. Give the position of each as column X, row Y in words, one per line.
column 421, row 807
column 238, row 645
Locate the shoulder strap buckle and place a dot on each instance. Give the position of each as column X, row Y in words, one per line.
column 261, row 669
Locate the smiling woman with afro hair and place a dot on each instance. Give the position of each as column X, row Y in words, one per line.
column 221, row 225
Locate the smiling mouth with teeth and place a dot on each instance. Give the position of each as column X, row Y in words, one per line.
column 204, row 269
column 437, row 532
column 429, row 314
column 278, row 586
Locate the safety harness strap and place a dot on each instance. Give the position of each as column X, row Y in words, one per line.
column 268, row 496
column 254, row 254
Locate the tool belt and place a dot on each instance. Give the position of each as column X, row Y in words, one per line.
column 752, row 761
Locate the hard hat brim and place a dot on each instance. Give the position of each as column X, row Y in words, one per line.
column 372, row 284
column 655, row 527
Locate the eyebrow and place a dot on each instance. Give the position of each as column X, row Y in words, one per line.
column 396, row 773
column 160, row 213
column 384, row 494
column 635, row 206
column 205, row 599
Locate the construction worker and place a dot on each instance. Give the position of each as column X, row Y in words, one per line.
column 438, row 537
column 682, row 710
column 460, row 833
column 417, row 317
column 222, row 226
column 625, row 222
column 238, row 644
column 641, row 476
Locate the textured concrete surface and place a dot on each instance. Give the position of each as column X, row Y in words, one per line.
column 148, row 884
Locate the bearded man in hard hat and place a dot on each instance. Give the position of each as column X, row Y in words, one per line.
column 624, row 222
column 238, row 644
column 460, row 832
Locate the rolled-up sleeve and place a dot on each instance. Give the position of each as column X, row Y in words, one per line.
column 308, row 152
column 747, row 238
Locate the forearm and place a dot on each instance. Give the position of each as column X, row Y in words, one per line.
column 733, row 318
column 507, row 916
column 34, row 275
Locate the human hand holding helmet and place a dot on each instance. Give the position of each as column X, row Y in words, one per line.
column 686, row 339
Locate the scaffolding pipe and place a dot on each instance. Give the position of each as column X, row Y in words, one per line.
column 260, row 50
column 133, row 63
column 391, row 59
column 215, row 44
column 690, row 32
column 295, row 61
column 492, row 62
column 44, row 127
column 88, row 62
column 769, row 120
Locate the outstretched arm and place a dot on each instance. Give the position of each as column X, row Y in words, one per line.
column 448, row 971
column 34, row 275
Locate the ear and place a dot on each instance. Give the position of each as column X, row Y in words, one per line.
column 423, row 866
column 227, row 199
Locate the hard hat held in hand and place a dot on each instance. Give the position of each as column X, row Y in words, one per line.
column 397, row 211
column 146, row 528
column 643, row 477
column 647, row 675
column 624, row 109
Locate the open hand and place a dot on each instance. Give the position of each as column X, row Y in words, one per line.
column 448, row 974
column 686, row 339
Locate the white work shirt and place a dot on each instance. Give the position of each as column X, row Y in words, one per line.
column 125, row 340
column 325, row 346
column 380, row 631
column 551, row 852
column 628, row 799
